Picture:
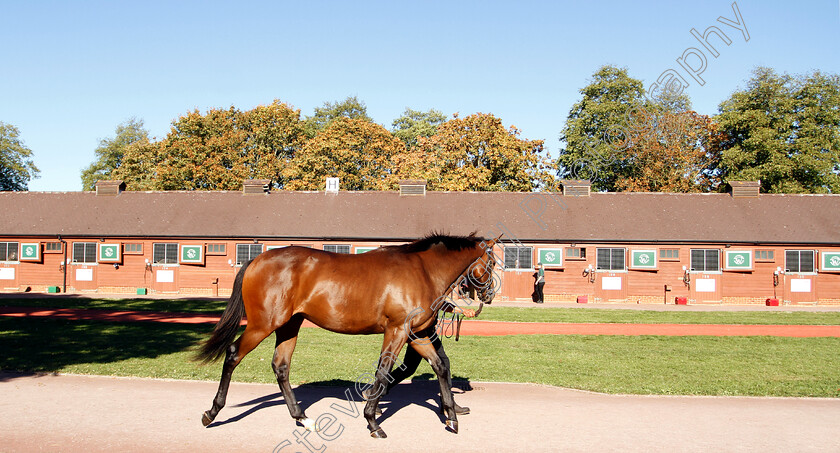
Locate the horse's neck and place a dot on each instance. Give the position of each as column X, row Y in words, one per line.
column 445, row 267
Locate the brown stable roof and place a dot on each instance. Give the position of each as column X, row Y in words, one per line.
column 375, row 216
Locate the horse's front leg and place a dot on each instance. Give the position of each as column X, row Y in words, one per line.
column 426, row 349
column 392, row 344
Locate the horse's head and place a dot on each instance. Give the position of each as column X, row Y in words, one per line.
column 481, row 275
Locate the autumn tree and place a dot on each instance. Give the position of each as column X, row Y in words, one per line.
column 110, row 152
column 358, row 152
column 413, row 124
column 216, row 150
column 16, row 165
column 477, row 153
column 595, row 123
column 667, row 148
column 351, row 107
column 785, row 131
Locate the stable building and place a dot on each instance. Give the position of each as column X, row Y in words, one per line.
column 739, row 247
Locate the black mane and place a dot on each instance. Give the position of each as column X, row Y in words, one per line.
column 450, row 242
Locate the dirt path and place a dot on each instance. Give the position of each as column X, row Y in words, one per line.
column 93, row 414
column 472, row 327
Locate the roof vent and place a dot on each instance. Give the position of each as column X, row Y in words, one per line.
column 576, row 187
column 413, row 187
column 256, row 186
column 109, row 187
column 745, row 189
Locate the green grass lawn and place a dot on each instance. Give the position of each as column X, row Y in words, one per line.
column 490, row 312
column 615, row 364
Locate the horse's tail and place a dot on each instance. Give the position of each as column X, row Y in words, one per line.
column 223, row 334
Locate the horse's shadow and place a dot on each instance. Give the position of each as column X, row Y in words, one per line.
column 419, row 391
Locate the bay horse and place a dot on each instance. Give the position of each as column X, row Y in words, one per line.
column 392, row 290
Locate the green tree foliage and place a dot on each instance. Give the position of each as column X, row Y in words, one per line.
column 216, row 150
column 109, row 154
column 785, row 131
column 594, row 125
column 477, row 153
column 358, row 152
column 414, row 124
column 16, row 165
column 351, row 107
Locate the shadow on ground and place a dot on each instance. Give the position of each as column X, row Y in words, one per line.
column 419, row 391
column 48, row 345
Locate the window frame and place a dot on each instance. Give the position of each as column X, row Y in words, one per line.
column 16, row 257
column 581, row 256
column 664, row 251
column 222, row 246
column 336, row 248
column 612, row 256
column 771, row 256
column 166, row 245
column 521, row 251
column 127, row 248
column 93, row 255
column 251, row 247
column 691, row 268
column 801, row 272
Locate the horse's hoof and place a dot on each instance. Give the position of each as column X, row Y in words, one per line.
column 452, row 425
column 206, row 419
column 378, row 434
column 309, row 424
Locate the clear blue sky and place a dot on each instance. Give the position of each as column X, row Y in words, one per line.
column 72, row 71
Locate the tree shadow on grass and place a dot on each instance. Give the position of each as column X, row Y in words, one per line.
column 49, row 345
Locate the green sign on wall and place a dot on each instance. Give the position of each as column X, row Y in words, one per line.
column 551, row 257
column 192, row 254
column 830, row 261
column 109, row 253
column 643, row 259
column 30, row 252
column 738, row 260
column 364, row 249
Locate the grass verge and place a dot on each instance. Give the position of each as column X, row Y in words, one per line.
column 756, row 366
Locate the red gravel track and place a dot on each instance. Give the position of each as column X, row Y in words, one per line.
column 471, row 327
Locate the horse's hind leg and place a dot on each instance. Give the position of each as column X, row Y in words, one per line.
column 426, row 349
column 234, row 355
column 285, row 346
column 391, row 346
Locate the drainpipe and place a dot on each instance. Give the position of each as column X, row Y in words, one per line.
column 64, row 264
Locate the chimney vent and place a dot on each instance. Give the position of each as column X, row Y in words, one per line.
column 576, row 187
column 745, row 189
column 413, row 187
column 256, row 186
column 109, row 187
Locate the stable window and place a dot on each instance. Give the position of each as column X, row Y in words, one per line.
column 519, row 257
column 610, row 259
column 669, row 254
column 52, row 247
column 336, row 248
column 9, row 251
column 705, row 260
column 799, row 260
column 165, row 253
column 576, row 253
column 217, row 249
column 247, row 252
column 765, row 255
column 84, row 252
column 133, row 248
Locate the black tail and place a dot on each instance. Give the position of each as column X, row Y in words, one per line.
column 223, row 334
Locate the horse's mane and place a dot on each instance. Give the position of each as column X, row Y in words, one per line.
column 450, row 242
